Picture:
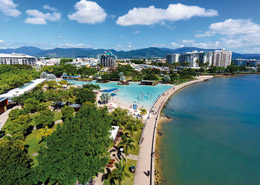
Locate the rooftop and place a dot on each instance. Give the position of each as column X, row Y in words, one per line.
column 2, row 99
column 15, row 55
column 26, row 88
column 114, row 132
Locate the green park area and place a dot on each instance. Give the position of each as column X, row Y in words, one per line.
column 44, row 142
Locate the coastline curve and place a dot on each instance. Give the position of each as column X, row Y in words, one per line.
column 146, row 157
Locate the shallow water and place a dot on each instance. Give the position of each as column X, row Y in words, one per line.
column 142, row 95
column 214, row 137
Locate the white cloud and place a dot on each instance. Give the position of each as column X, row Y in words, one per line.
column 236, row 33
column 8, row 8
column 232, row 27
column 152, row 15
column 174, row 45
column 71, row 45
column 188, row 41
column 2, row 41
column 88, row 12
column 37, row 17
column 137, row 32
column 48, row 7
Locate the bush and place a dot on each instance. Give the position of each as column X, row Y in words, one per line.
column 44, row 118
column 67, row 113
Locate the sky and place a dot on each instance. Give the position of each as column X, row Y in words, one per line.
column 131, row 24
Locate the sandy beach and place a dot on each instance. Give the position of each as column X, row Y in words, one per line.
column 147, row 153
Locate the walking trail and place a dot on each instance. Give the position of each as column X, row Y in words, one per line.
column 4, row 116
column 147, row 147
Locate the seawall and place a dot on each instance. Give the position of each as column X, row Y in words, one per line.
column 146, row 158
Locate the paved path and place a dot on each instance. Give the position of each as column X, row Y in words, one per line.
column 147, row 147
column 4, row 116
column 132, row 157
column 58, row 122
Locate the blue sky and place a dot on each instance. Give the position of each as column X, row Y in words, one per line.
column 131, row 24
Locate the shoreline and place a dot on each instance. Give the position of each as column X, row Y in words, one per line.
column 159, row 135
column 158, row 162
column 146, row 159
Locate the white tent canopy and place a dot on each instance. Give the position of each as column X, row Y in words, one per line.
column 114, row 132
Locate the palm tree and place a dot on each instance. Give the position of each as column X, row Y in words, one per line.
column 105, row 97
column 131, row 127
column 142, row 112
column 44, row 132
column 119, row 173
column 127, row 143
column 10, row 140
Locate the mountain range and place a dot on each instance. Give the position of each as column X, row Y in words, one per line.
column 151, row 52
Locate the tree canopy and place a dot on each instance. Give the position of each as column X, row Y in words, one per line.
column 78, row 148
column 12, row 76
column 15, row 166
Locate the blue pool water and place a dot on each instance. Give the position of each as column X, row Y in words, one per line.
column 144, row 96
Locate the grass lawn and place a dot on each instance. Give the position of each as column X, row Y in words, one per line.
column 48, row 103
column 127, row 180
column 57, row 116
column 34, row 145
column 136, row 137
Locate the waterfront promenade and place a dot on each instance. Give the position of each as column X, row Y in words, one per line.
column 146, row 156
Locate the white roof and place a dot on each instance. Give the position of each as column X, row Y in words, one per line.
column 15, row 55
column 114, row 132
column 19, row 91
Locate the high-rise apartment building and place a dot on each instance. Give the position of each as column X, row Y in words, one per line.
column 173, row 58
column 222, row 58
column 108, row 59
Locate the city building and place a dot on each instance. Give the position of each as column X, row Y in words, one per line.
column 108, row 59
column 173, row 58
column 247, row 62
column 221, row 58
column 3, row 104
column 88, row 62
column 42, row 61
column 14, row 58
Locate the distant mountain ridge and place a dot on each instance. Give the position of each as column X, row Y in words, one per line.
column 151, row 52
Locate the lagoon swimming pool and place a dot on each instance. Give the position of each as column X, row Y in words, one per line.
column 142, row 95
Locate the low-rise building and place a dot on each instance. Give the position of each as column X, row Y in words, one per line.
column 247, row 62
column 10, row 59
column 3, row 104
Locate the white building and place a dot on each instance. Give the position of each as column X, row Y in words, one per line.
column 222, row 58
column 173, row 58
column 14, row 58
column 88, row 62
column 195, row 59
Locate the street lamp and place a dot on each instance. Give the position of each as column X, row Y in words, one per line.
column 121, row 152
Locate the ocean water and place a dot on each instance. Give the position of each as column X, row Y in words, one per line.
column 214, row 137
column 142, row 95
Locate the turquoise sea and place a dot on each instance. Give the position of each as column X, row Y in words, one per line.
column 214, row 137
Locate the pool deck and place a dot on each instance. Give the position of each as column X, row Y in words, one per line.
column 147, row 147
